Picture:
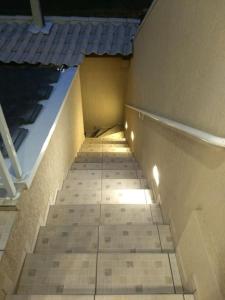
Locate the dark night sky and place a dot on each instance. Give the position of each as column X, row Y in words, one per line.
column 108, row 8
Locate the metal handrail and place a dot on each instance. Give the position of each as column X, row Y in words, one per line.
column 200, row 135
column 4, row 131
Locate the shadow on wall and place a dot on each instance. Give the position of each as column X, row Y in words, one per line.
column 103, row 84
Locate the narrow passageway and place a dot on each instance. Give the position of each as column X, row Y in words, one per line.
column 104, row 236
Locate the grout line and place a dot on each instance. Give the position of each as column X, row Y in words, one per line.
column 171, row 270
column 159, row 238
column 97, row 254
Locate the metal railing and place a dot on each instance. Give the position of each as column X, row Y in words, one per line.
column 7, row 177
column 200, row 135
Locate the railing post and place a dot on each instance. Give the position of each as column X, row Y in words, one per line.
column 6, row 177
column 4, row 130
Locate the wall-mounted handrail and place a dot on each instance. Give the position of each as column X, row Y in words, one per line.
column 193, row 132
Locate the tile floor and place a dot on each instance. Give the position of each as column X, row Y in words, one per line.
column 105, row 238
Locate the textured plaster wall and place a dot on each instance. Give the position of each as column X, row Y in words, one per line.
column 34, row 203
column 178, row 71
column 103, row 83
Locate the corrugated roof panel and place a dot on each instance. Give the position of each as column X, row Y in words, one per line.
column 69, row 40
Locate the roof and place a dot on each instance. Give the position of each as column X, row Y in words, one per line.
column 23, row 90
column 69, row 40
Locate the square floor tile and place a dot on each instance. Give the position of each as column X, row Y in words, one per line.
column 134, row 274
column 119, row 174
column 7, row 219
column 125, row 214
column 112, row 184
column 117, row 157
column 78, row 197
column 117, row 149
column 58, row 274
column 129, row 238
column 124, row 196
column 74, row 215
column 166, row 238
column 119, row 166
column 91, row 148
column 67, row 239
column 86, row 166
column 82, row 184
column 86, row 157
column 84, row 174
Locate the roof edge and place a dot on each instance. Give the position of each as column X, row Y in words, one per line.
column 63, row 19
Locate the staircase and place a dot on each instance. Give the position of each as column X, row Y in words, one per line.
column 105, row 237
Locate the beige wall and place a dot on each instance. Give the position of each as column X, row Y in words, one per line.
column 103, row 83
column 178, row 71
column 34, row 203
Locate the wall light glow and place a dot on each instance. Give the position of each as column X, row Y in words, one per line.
column 155, row 172
column 132, row 135
column 126, row 125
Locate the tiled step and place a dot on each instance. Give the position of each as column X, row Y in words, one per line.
column 142, row 297
column 105, row 214
column 86, row 166
column 74, row 215
column 84, row 174
column 108, row 238
column 73, row 183
column 124, row 196
column 53, row 297
column 134, row 273
column 67, row 239
column 125, row 214
column 112, row 184
column 82, row 184
column 58, row 274
column 134, row 238
column 120, row 166
column 117, row 157
column 117, row 135
column 102, row 297
column 87, row 157
column 81, row 197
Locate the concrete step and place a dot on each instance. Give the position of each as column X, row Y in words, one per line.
column 108, row 238
column 58, row 274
